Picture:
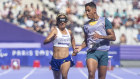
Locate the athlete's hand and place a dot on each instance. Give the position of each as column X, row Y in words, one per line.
column 54, row 36
column 96, row 36
column 78, row 48
column 74, row 52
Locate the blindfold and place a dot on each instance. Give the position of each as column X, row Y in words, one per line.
column 59, row 20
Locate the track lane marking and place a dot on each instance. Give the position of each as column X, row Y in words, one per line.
column 5, row 72
column 128, row 71
column 82, row 72
column 115, row 76
column 30, row 73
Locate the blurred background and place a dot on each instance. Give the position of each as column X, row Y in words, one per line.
column 24, row 24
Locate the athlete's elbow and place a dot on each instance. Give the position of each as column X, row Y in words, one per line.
column 114, row 38
column 45, row 42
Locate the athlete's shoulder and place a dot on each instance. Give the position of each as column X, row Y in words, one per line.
column 69, row 31
column 103, row 18
column 108, row 24
column 54, row 29
column 106, row 19
column 87, row 22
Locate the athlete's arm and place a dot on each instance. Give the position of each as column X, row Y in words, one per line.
column 72, row 39
column 51, row 36
column 110, row 35
column 110, row 32
column 84, row 44
column 79, row 48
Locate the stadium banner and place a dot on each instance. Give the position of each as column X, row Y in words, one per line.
column 28, row 55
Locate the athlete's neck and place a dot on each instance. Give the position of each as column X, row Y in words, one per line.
column 96, row 17
column 62, row 29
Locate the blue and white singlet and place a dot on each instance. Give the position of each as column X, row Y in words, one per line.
column 62, row 40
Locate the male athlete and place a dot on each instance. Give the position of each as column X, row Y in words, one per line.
column 98, row 32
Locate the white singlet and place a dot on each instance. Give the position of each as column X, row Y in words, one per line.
column 62, row 40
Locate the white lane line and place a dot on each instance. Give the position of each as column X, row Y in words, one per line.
column 83, row 73
column 128, row 71
column 30, row 73
column 5, row 72
column 113, row 75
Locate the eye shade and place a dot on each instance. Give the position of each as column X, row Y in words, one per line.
column 62, row 20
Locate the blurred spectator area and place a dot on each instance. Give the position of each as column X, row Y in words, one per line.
column 39, row 16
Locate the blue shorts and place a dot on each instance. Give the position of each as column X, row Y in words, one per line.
column 56, row 63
